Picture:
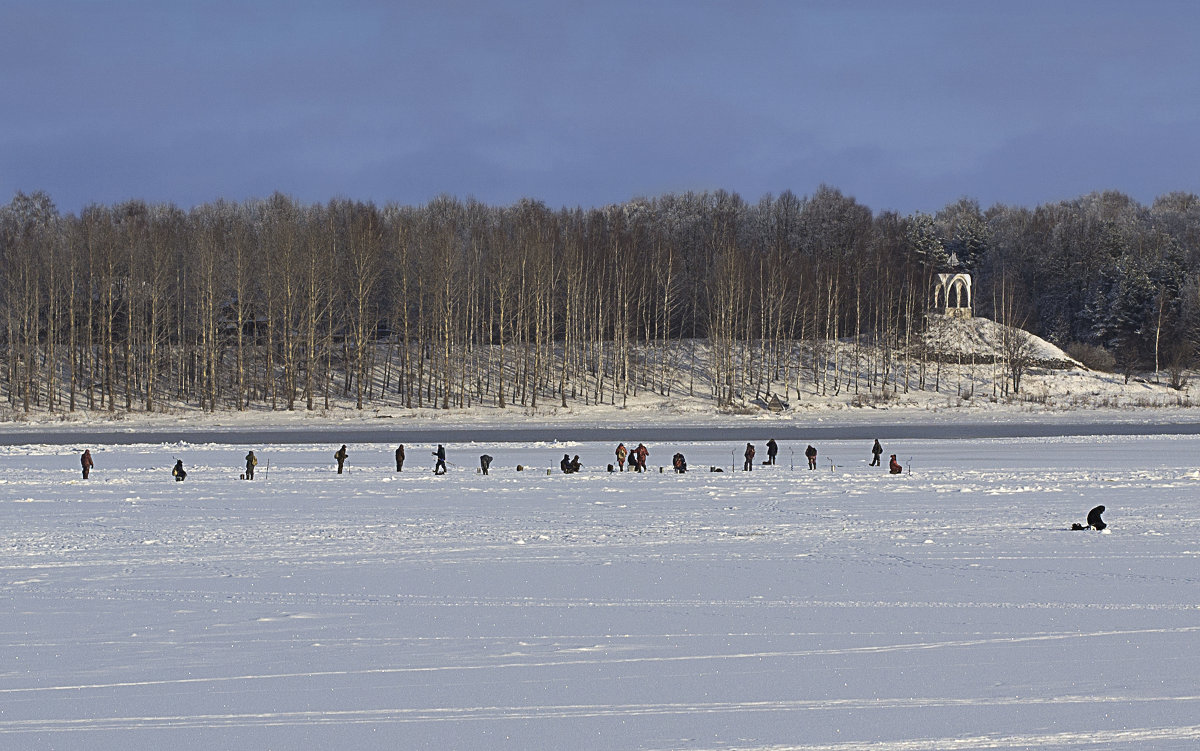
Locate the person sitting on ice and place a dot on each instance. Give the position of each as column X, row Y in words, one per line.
column 565, row 464
column 177, row 471
column 575, row 464
column 894, row 466
column 679, row 463
column 1093, row 520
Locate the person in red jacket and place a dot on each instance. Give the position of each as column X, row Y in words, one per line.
column 86, row 461
column 641, row 452
column 894, row 466
column 749, row 463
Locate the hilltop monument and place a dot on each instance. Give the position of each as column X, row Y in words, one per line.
column 952, row 293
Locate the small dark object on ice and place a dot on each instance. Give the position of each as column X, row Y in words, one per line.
column 1093, row 520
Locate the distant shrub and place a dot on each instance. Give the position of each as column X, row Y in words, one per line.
column 1092, row 356
column 874, row 399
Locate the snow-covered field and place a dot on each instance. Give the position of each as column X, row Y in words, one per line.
column 945, row 608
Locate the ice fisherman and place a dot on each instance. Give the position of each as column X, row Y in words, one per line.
column 641, row 452
column 86, row 461
column 749, row 454
column 439, row 467
column 679, row 463
column 251, row 463
column 811, row 453
column 1093, row 518
column 485, row 461
column 894, row 467
column 876, row 452
column 772, row 450
column 341, row 457
column 177, row 471
column 400, row 458
column 622, row 452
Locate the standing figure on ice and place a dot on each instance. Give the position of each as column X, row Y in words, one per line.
column 749, row 454
column 811, row 453
column 485, row 461
column 876, row 452
column 341, row 457
column 251, row 463
column 622, row 452
column 86, row 461
column 439, row 467
column 641, row 452
column 772, row 450
column 400, row 458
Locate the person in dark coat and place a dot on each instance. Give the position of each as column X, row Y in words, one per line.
column 1093, row 518
column 341, row 457
column 894, row 466
column 811, row 453
column 679, row 463
column 400, row 458
column 86, row 461
column 772, row 450
column 439, row 467
column 251, row 463
column 749, row 463
column 876, row 452
column 485, row 461
column 576, row 465
column 641, row 452
column 177, row 471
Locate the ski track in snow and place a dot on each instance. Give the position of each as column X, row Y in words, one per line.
column 844, row 609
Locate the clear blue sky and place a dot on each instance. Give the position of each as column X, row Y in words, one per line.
column 904, row 105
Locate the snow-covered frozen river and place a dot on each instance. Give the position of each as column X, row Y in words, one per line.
column 843, row 608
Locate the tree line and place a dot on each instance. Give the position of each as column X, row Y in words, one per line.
column 279, row 304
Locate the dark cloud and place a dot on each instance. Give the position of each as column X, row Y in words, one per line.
column 905, row 106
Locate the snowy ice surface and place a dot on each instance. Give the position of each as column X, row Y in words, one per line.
column 843, row 608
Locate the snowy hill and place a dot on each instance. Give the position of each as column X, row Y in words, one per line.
column 983, row 340
column 958, row 371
